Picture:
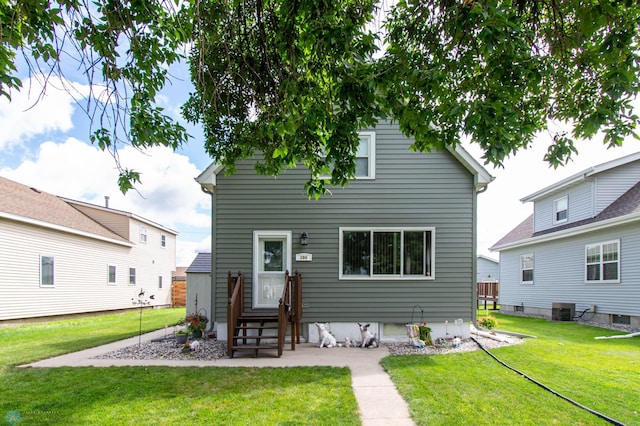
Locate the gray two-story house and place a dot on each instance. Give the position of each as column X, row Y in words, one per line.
column 578, row 254
column 397, row 244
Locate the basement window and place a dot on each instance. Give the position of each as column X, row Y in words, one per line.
column 621, row 319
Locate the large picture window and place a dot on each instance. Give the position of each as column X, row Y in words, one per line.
column 603, row 262
column 386, row 252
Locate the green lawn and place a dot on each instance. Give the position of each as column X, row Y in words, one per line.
column 472, row 388
column 157, row 395
column 467, row 388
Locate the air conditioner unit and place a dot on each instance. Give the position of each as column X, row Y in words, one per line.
column 563, row 311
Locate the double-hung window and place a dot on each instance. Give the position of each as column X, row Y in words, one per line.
column 560, row 209
column 603, row 262
column 526, row 268
column 365, row 156
column 386, row 253
column 132, row 276
column 143, row 234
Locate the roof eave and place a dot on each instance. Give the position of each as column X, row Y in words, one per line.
column 482, row 178
column 208, row 178
column 64, row 229
column 565, row 233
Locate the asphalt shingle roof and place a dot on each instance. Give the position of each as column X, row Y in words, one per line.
column 30, row 203
column 201, row 264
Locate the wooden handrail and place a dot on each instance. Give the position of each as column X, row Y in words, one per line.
column 235, row 289
column 290, row 309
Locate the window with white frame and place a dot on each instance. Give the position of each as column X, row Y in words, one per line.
column 143, row 234
column 603, row 262
column 366, row 156
column 47, row 271
column 111, row 274
column 132, row 276
column 163, row 240
column 386, row 252
column 560, row 209
column 526, row 268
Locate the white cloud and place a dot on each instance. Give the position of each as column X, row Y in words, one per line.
column 32, row 112
column 167, row 195
column 187, row 251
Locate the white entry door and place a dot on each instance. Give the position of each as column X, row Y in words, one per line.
column 271, row 258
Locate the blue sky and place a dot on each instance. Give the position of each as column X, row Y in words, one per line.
column 45, row 144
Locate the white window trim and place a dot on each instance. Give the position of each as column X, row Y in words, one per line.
column 108, row 275
column 372, row 156
column 601, row 281
column 257, row 235
column 135, row 276
column 533, row 267
column 53, row 284
column 371, row 276
column 143, row 235
column 555, row 210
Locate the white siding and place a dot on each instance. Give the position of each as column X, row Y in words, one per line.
column 580, row 206
column 611, row 184
column 80, row 266
column 151, row 260
column 559, row 274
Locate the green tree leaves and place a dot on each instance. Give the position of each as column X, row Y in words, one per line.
column 294, row 80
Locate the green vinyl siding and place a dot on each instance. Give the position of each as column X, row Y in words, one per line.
column 410, row 189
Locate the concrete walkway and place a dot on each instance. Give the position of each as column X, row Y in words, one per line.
column 378, row 399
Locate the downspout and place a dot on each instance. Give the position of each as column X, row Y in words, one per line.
column 474, row 268
column 212, row 272
column 474, row 256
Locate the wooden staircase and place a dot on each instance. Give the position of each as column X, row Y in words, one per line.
column 263, row 329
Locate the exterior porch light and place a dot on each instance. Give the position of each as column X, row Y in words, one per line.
column 304, row 239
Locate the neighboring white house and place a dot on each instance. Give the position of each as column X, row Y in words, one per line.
column 488, row 269
column 578, row 254
column 60, row 256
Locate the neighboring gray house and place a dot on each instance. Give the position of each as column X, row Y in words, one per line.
column 401, row 238
column 578, row 253
column 199, row 284
column 488, row 269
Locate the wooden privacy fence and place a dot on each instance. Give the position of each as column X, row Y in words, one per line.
column 487, row 291
column 178, row 293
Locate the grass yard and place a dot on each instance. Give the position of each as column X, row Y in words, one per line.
column 472, row 388
column 156, row 395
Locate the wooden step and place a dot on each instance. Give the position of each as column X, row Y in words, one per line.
column 254, row 348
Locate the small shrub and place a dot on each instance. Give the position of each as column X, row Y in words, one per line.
column 488, row 322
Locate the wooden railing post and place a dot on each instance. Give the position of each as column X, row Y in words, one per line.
column 235, row 288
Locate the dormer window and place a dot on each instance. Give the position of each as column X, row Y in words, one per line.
column 560, row 208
